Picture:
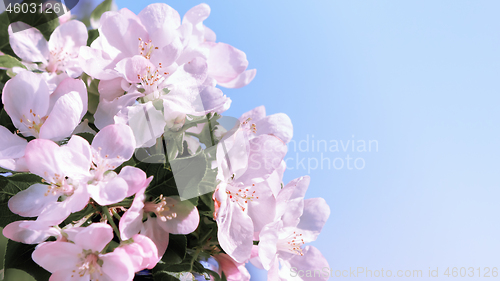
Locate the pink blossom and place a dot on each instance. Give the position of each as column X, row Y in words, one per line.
column 172, row 216
column 244, row 198
column 37, row 112
column 141, row 250
column 82, row 259
column 233, row 270
column 59, row 54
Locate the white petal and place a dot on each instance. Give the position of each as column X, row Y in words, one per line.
column 32, row 201
column 11, row 145
column 28, row 42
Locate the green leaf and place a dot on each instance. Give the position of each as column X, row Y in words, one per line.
column 87, row 136
column 10, row 186
column 188, row 173
column 176, row 251
column 6, row 121
column 93, row 34
column 96, row 14
column 10, row 62
column 18, row 256
column 93, row 96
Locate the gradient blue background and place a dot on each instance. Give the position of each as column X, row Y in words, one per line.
column 421, row 78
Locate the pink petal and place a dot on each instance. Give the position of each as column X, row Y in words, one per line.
column 278, row 125
column 142, row 252
column 261, row 210
column 312, row 260
column 316, row 213
column 268, row 239
column 63, row 118
column 28, row 42
column 147, row 123
column 111, row 192
column 69, row 37
column 225, row 62
column 20, row 231
column 255, row 114
column 94, row 237
column 117, row 267
column 97, row 63
column 159, row 16
column 187, row 218
column 135, row 178
column 232, row 270
column 134, row 68
column 77, row 152
column 42, row 158
column 24, row 95
column 131, row 222
column 32, row 201
column 266, row 155
column 11, row 145
column 69, row 85
column 111, row 89
column 55, row 256
column 115, row 144
column 232, row 154
column 122, row 31
column 107, row 110
column 235, row 232
column 197, row 14
column 151, row 229
column 241, row 80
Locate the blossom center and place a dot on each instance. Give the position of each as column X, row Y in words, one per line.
column 90, row 264
column 292, row 244
column 33, row 122
column 161, row 209
column 250, row 127
column 57, row 59
column 241, row 196
column 58, row 185
column 101, row 164
column 146, row 48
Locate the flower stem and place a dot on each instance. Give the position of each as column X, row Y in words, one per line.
column 110, row 219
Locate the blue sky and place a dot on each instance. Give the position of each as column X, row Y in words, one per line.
column 419, row 77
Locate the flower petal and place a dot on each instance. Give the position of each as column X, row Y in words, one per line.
column 28, row 42
column 32, row 201
column 111, row 192
column 186, row 220
column 69, row 37
column 117, row 267
column 55, row 256
column 94, row 237
column 21, row 231
column 131, row 222
column 314, row 217
column 115, row 144
column 24, row 95
column 11, row 145
column 63, row 118
column 225, row 62
column 241, row 80
column 235, row 232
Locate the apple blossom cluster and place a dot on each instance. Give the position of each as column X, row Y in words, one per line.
column 120, row 164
